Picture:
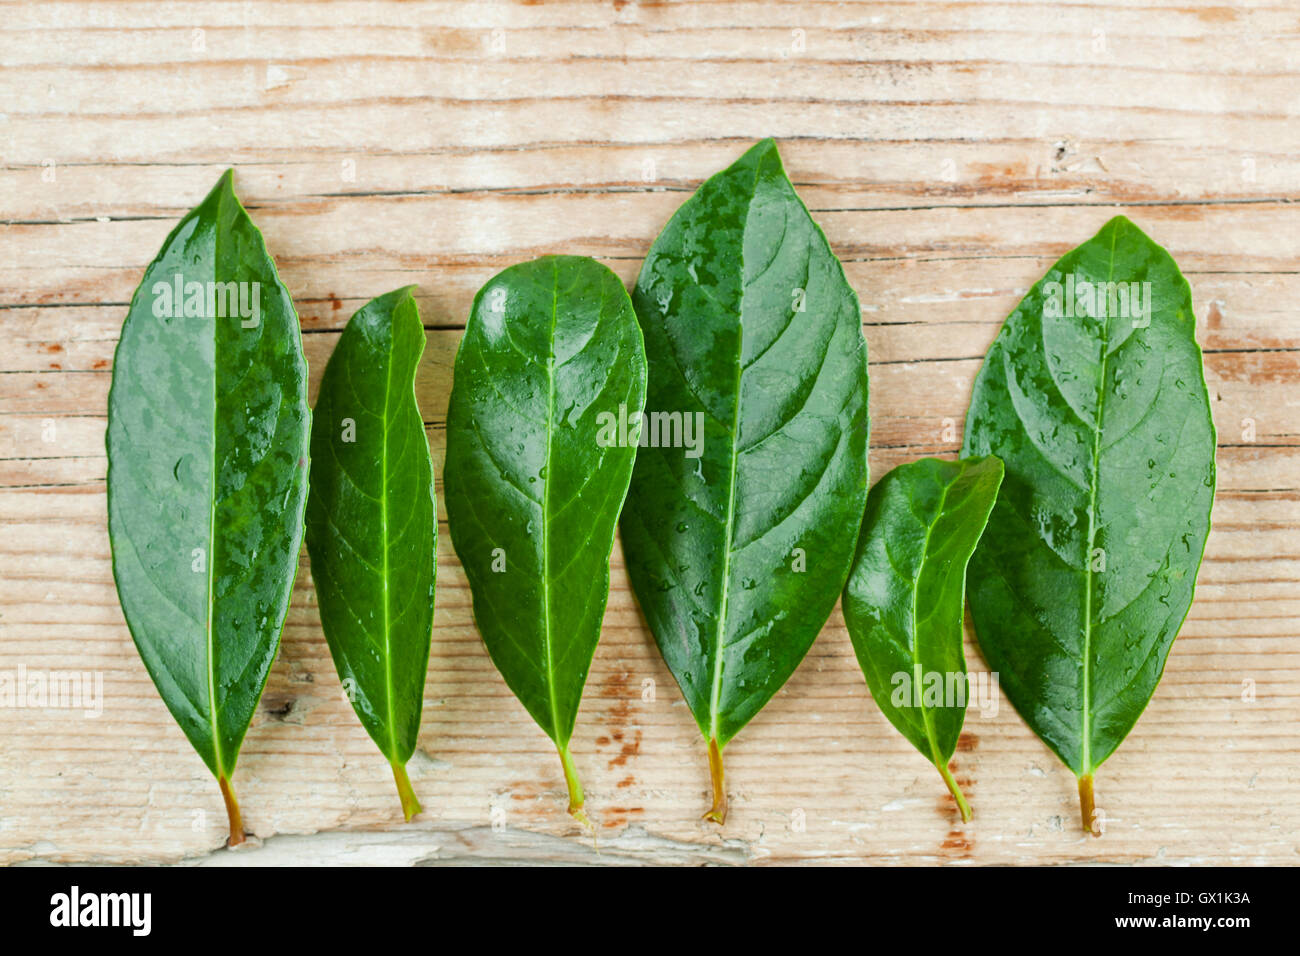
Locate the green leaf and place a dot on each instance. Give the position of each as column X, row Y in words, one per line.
column 1098, row 407
column 905, row 594
column 207, row 472
column 537, row 469
column 748, row 493
column 372, row 527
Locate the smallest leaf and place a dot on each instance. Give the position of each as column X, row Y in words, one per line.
column 905, row 593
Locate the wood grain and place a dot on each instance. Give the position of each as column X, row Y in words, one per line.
column 951, row 151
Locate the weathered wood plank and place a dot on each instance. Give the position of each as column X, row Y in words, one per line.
column 950, row 150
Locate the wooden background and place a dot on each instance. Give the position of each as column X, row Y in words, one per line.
column 951, row 151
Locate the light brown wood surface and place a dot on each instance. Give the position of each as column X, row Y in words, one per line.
column 951, row 151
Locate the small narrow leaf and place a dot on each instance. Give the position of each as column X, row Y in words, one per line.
column 372, row 528
column 541, row 435
column 749, row 488
column 1094, row 397
column 207, row 473
column 904, row 598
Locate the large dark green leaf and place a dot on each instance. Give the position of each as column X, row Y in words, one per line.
column 536, row 475
column 739, row 532
column 1086, row 571
column 904, row 598
column 372, row 529
column 207, row 472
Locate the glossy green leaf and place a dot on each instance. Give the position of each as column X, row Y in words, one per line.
column 748, row 493
column 372, row 526
column 207, row 472
column 541, row 437
column 1097, row 405
column 905, row 595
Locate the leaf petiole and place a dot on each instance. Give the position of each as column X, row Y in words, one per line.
column 576, row 797
column 410, row 804
column 232, row 811
column 957, row 795
column 1088, row 805
column 718, row 812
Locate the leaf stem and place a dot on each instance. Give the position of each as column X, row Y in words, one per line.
column 955, row 790
column 232, row 811
column 1088, row 805
column 576, row 797
column 410, row 804
column 718, row 812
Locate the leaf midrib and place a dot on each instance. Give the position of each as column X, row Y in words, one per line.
column 210, row 556
column 546, row 507
column 383, row 524
column 1085, row 721
column 926, row 718
column 720, row 637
